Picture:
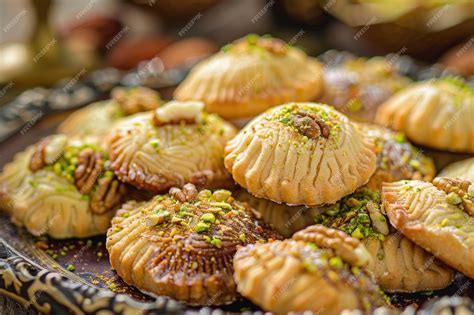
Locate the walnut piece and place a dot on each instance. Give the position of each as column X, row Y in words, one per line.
column 188, row 193
column 89, row 167
column 349, row 248
column 109, row 195
column 178, row 112
column 455, row 187
column 47, row 151
column 37, row 160
column 310, row 124
column 136, row 99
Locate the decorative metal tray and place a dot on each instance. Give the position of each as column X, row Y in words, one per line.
column 74, row 276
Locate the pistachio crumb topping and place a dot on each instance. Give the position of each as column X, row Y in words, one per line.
column 358, row 214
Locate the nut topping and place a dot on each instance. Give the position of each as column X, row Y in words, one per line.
column 89, row 167
column 109, row 194
column 310, row 124
column 350, row 249
column 187, row 193
column 178, row 112
column 37, row 160
column 137, row 99
column 459, row 192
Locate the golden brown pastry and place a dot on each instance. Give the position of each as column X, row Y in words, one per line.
column 285, row 219
column 462, row 169
column 97, row 118
column 436, row 113
column 396, row 157
column 398, row 265
column 434, row 219
column 175, row 144
column 182, row 244
column 251, row 75
column 318, row 270
column 62, row 187
column 300, row 154
column 357, row 87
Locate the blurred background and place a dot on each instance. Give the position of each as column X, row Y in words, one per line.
column 43, row 41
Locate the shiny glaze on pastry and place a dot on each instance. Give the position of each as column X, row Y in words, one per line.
column 434, row 219
column 175, row 144
column 182, row 244
column 251, row 75
column 300, row 154
column 318, row 269
column 436, row 113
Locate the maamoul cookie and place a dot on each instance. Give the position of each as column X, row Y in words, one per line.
column 436, row 113
column 182, row 244
column 398, row 265
column 176, row 144
column 285, row 219
column 397, row 158
column 357, row 87
column 300, row 154
column 434, row 217
column 251, row 75
column 97, row 118
column 318, row 269
column 62, row 187
column 462, row 169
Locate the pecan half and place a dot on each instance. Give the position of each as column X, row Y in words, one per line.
column 37, row 160
column 188, row 193
column 137, row 99
column 350, row 249
column 310, row 124
column 460, row 188
column 109, row 195
column 89, row 167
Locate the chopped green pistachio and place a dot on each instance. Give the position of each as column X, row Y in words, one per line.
column 354, row 105
column 444, row 222
column 70, row 268
column 415, row 164
column 221, row 195
column 226, row 48
column 453, row 198
column 399, row 137
column 216, row 242
column 125, row 215
column 206, row 238
column 223, row 205
column 357, row 233
column 242, row 237
column 155, row 143
column 208, row 217
column 336, row 262
column 355, row 270
column 202, row 227
column 309, row 266
column 312, row 246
